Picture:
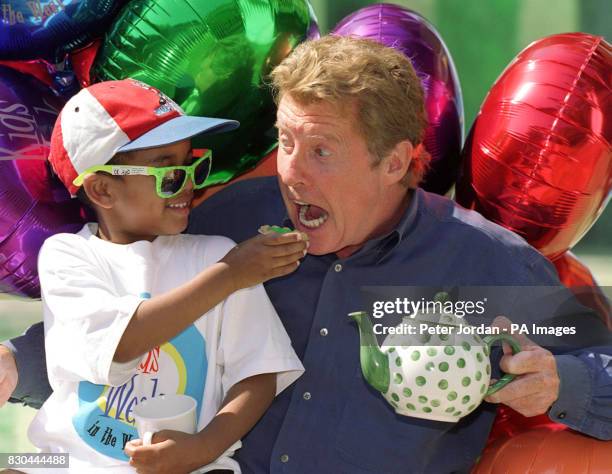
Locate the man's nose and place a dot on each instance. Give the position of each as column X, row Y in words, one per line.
column 291, row 167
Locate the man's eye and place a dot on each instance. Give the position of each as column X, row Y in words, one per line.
column 284, row 143
column 322, row 152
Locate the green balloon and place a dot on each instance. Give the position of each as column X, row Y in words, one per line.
column 212, row 57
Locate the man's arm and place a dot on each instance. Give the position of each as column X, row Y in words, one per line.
column 585, row 398
column 26, row 353
column 569, row 377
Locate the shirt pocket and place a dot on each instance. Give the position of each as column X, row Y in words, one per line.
column 373, row 438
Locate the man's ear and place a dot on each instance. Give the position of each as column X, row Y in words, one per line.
column 398, row 161
column 100, row 190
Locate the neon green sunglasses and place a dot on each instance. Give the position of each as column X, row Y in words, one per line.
column 169, row 180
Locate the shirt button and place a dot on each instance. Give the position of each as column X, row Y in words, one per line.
column 284, row 458
column 562, row 415
column 338, row 267
column 307, row 396
column 324, row 332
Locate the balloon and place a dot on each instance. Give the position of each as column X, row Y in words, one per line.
column 33, row 203
column 28, row 110
column 413, row 35
column 212, row 59
column 546, row 451
column 576, row 276
column 32, row 29
column 510, row 423
column 40, row 69
column 538, row 159
column 82, row 60
column 266, row 167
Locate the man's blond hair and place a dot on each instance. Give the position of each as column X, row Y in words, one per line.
column 379, row 80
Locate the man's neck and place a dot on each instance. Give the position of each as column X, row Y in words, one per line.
column 387, row 226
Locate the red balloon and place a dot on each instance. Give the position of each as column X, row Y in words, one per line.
column 38, row 68
column 547, row 451
column 509, row 423
column 538, row 159
column 577, row 277
column 82, row 61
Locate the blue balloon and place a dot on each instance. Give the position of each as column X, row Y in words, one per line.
column 31, row 29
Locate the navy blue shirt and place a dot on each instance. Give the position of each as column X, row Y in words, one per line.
column 331, row 420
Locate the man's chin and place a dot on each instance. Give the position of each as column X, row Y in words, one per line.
column 318, row 246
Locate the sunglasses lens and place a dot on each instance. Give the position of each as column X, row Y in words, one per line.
column 172, row 182
column 201, row 172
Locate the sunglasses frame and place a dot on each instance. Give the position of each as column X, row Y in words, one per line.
column 158, row 172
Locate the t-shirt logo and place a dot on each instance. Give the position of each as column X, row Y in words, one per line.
column 105, row 420
column 150, row 364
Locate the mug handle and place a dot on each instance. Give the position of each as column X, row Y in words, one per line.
column 507, row 378
column 147, row 438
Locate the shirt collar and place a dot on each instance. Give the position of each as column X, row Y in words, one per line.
column 382, row 246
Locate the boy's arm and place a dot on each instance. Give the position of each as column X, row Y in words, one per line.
column 174, row 452
column 159, row 319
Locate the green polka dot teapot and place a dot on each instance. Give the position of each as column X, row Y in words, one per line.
column 439, row 370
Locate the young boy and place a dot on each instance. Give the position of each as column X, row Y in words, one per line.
column 133, row 309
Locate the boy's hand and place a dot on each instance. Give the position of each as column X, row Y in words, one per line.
column 8, row 374
column 264, row 257
column 171, row 452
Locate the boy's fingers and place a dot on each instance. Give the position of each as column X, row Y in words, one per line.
column 131, row 447
column 281, row 239
column 285, row 270
column 288, row 249
column 288, row 259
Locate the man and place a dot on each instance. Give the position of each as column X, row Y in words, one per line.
column 351, row 120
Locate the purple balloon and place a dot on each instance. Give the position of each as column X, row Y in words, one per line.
column 414, row 36
column 50, row 28
column 33, row 203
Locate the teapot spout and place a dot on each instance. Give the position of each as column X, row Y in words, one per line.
column 374, row 362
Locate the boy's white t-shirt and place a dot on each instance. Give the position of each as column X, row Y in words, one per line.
column 90, row 290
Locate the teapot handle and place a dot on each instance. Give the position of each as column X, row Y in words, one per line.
column 507, row 378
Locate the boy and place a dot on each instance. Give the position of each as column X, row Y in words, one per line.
column 134, row 310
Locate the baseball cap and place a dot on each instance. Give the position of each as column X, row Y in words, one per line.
column 114, row 116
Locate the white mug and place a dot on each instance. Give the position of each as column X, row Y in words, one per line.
column 166, row 412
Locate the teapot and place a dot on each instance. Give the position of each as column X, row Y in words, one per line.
column 441, row 372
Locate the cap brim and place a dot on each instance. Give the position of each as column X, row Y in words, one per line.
column 180, row 128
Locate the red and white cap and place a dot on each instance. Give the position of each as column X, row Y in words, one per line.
column 115, row 116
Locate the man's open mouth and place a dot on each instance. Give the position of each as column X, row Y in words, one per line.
column 311, row 216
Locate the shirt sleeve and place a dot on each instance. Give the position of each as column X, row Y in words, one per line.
column 84, row 316
column 29, row 351
column 253, row 341
column 584, row 366
column 585, row 394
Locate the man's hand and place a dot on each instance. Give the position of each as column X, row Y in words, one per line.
column 8, row 374
column 172, row 452
column 536, row 386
